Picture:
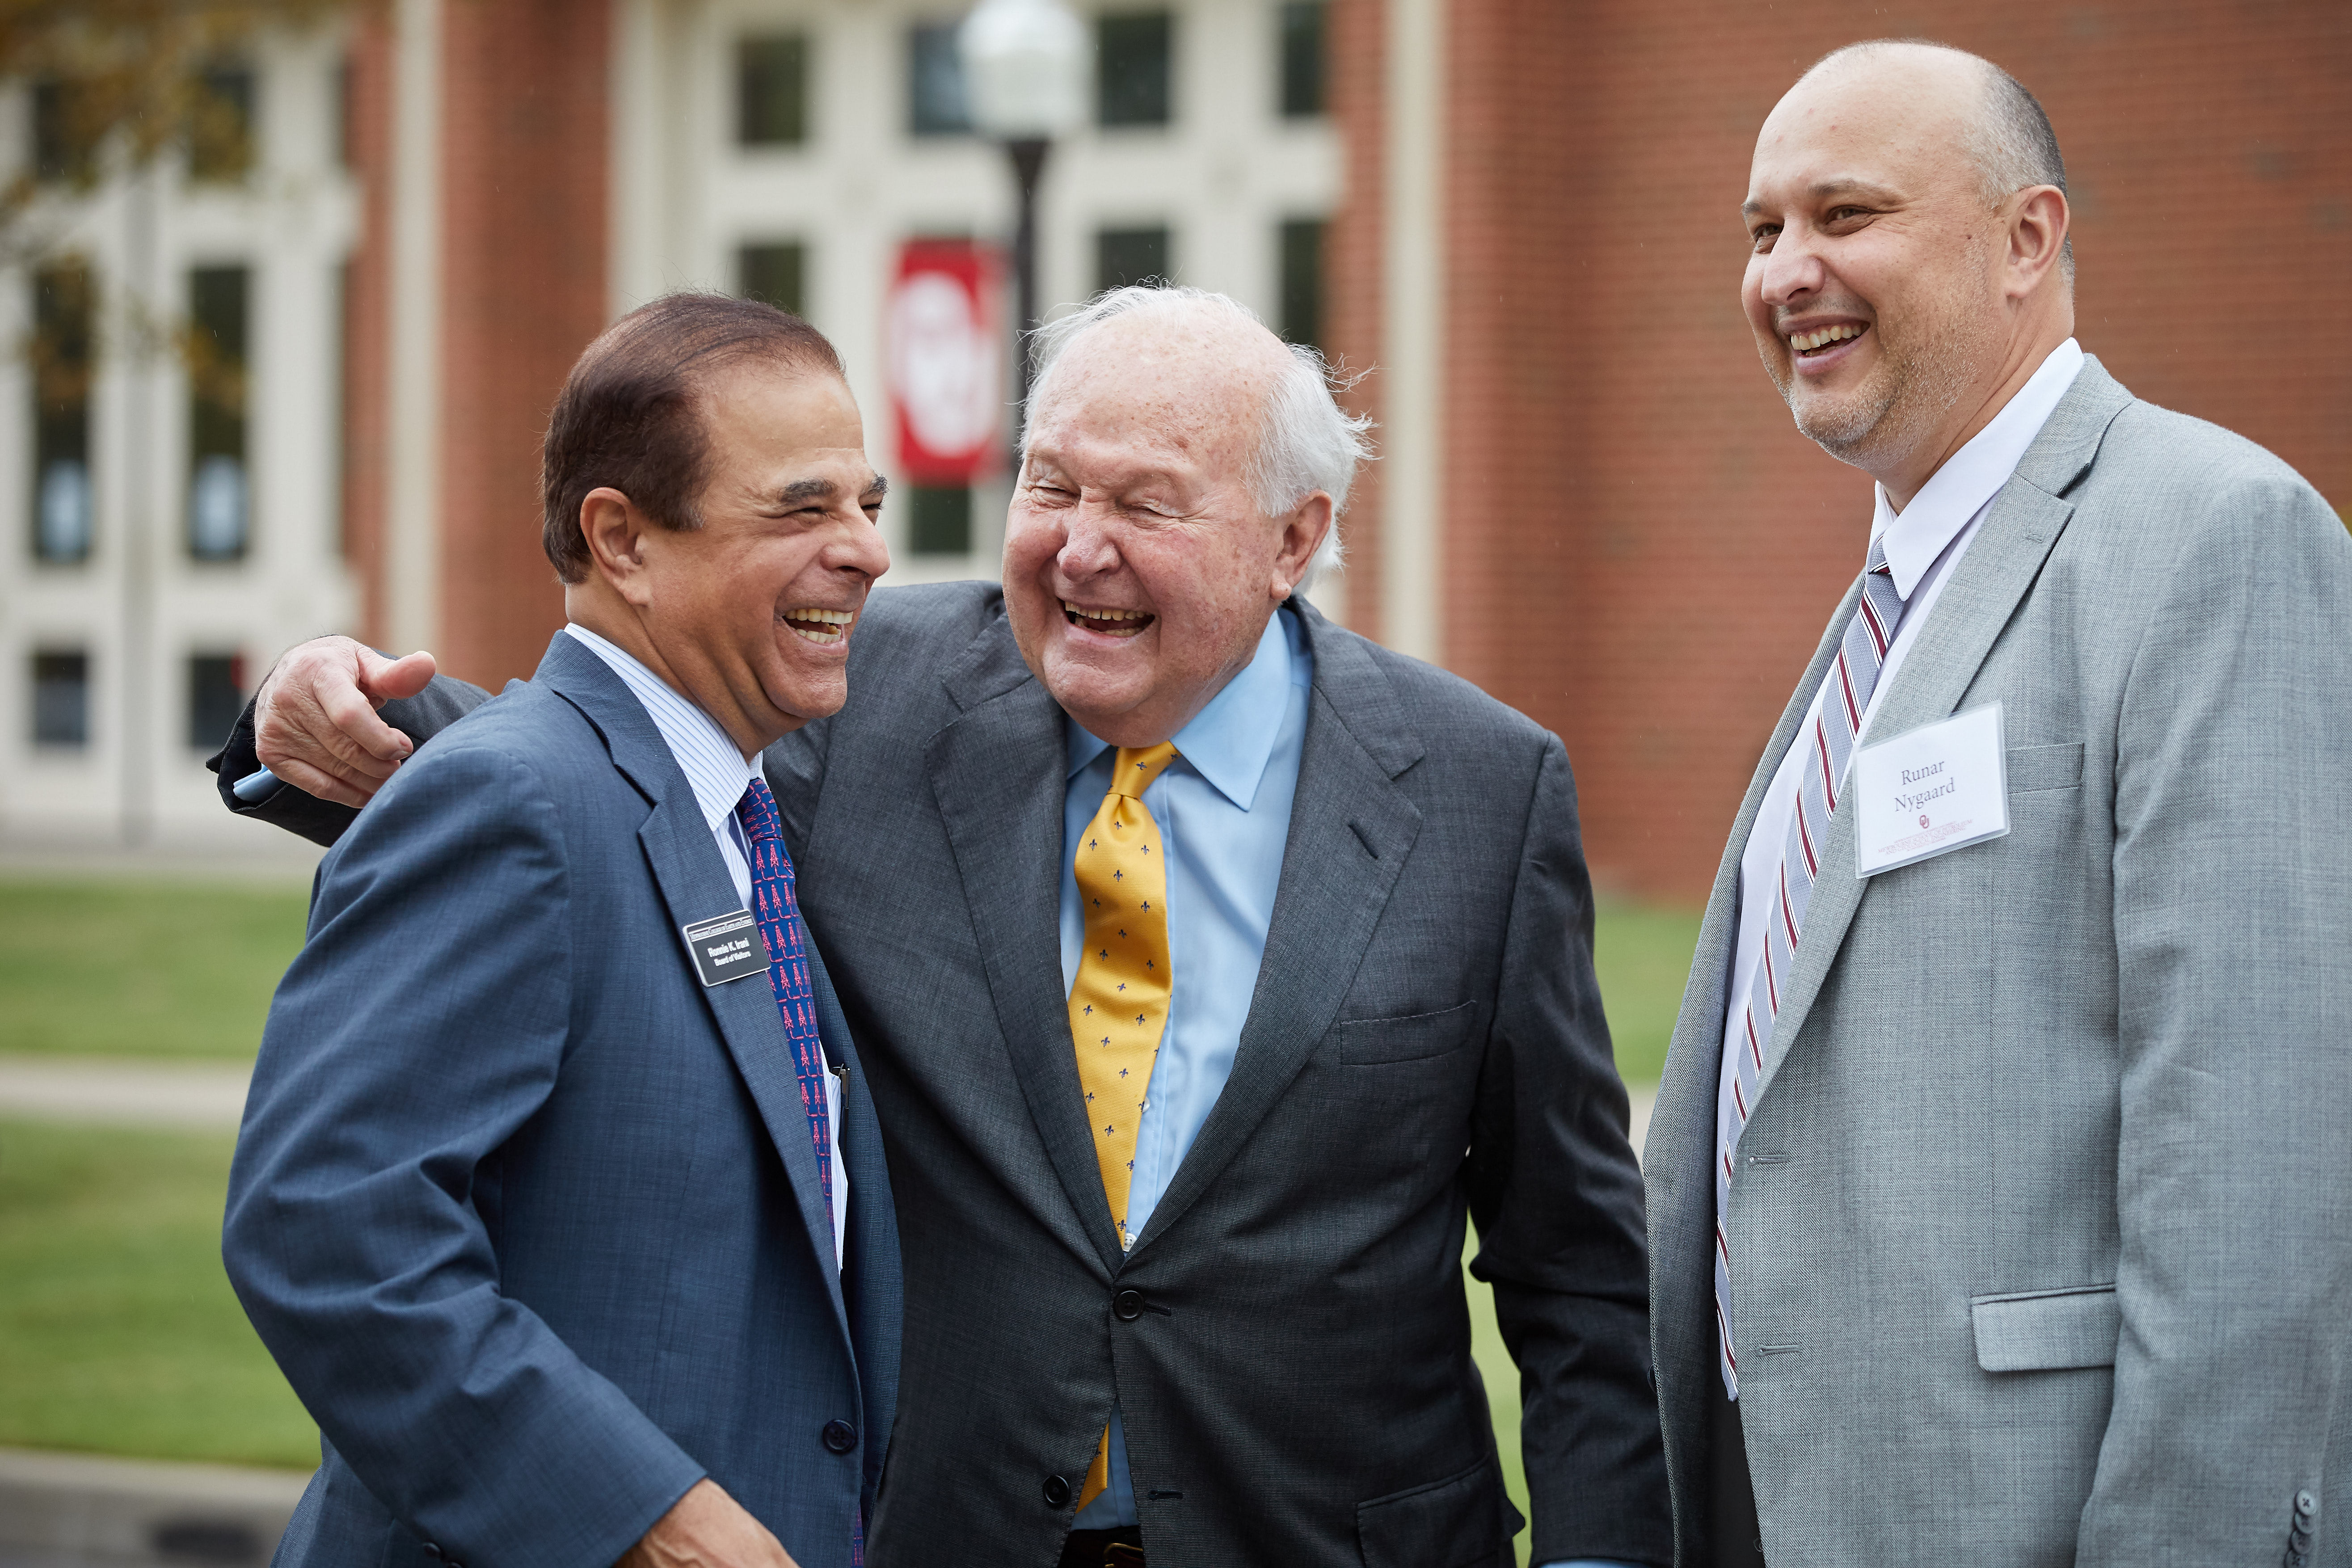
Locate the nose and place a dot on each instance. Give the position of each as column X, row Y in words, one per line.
column 1793, row 267
column 859, row 547
column 1087, row 550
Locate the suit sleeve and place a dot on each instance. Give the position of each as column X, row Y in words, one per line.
column 423, row 1025
column 1556, row 1198
column 2232, row 920
column 442, row 703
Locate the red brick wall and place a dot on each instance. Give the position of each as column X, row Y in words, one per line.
column 524, row 242
column 366, row 305
column 1640, row 551
column 1353, row 273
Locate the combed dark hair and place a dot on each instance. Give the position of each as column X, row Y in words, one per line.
column 629, row 415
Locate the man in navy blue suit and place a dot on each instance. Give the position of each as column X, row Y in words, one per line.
column 560, row 1198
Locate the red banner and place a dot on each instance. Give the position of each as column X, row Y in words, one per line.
column 945, row 356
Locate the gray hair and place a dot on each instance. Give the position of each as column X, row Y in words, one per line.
column 1306, row 441
column 2009, row 141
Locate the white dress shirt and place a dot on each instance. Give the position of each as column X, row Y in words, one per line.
column 719, row 773
column 1924, row 543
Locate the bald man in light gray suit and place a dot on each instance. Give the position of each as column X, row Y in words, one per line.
column 1997, row 1198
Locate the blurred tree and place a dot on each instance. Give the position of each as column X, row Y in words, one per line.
column 114, row 84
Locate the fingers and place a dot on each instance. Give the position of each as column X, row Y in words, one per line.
column 382, row 678
column 315, row 729
column 707, row 1529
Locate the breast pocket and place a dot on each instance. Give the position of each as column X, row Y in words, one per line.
column 2033, row 768
column 1409, row 1038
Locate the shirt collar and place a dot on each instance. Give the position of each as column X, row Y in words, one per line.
column 1971, row 476
column 714, row 766
column 1229, row 741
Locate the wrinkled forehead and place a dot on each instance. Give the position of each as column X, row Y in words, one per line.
column 1896, row 116
column 1169, row 387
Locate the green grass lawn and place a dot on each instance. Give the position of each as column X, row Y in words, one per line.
column 147, row 970
column 118, row 1330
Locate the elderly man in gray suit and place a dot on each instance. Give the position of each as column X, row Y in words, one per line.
column 1211, row 965
column 1998, row 1194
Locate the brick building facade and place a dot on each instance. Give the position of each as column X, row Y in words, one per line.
column 1593, row 504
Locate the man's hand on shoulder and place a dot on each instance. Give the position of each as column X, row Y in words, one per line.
column 315, row 723
column 707, row 1529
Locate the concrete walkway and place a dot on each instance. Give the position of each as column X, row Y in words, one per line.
column 71, row 1511
column 190, row 1096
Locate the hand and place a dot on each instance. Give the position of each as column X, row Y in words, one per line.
column 314, row 719
column 707, row 1529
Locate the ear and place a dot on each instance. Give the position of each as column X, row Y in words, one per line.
column 615, row 532
column 2038, row 222
column 1303, row 532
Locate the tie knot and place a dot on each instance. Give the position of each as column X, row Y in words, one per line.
column 1138, row 766
column 757, row 812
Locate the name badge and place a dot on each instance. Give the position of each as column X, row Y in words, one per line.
column 727, row 947
column 1937, row 788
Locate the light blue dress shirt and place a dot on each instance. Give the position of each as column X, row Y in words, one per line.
column 1224, row 814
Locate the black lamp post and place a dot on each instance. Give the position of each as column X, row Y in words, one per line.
column 1025, row 63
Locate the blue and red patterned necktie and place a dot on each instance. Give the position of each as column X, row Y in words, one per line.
column 778, row 910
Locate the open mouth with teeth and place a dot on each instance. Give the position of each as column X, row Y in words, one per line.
column 1821, row 340
column 1109, row 622
column 823, row 628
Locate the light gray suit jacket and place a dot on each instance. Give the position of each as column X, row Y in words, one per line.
column 2041, row 1232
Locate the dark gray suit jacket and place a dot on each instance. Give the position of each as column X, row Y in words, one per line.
column 530, row 1216
column 1288, row 1342
column 2039, row 1236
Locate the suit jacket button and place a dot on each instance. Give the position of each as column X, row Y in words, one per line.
column 1127, row 1306
column 432, row 1550
column 840, row 1436
column 2305, row 1504
column 1057, row 1491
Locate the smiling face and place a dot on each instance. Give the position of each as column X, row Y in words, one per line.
column 1139, row 571
column 750, row 615
column 1876, row 280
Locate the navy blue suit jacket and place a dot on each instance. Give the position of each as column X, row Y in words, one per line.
column 530, row 1216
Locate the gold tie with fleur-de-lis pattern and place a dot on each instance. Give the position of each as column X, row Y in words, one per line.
column 1118, row 1006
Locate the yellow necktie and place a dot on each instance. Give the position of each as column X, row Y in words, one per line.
column 1119, row 1004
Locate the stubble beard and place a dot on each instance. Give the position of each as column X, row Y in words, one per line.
column 1883, row 421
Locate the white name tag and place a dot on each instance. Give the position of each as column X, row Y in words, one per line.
column 1941, row 787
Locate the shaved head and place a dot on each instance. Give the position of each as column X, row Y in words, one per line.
column 2008, row 137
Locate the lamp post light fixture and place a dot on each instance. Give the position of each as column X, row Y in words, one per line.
column 1025, row 67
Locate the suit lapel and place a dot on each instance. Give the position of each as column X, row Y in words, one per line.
column 1350, row 830
column 1985, row 589
column 999, row 773
column 695, row 885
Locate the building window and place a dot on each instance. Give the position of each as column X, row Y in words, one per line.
column 939, row 520
column 1302, row 281
column 1125, row 256
column 220, row 505
column 1133, row 53
column 772, row 86
column 64, row 312
column 215, row 697
column 220, row 124
column 935, row 101
column 1302, row 58
column 65, row 144
column 776, row 274
column 61, row 698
